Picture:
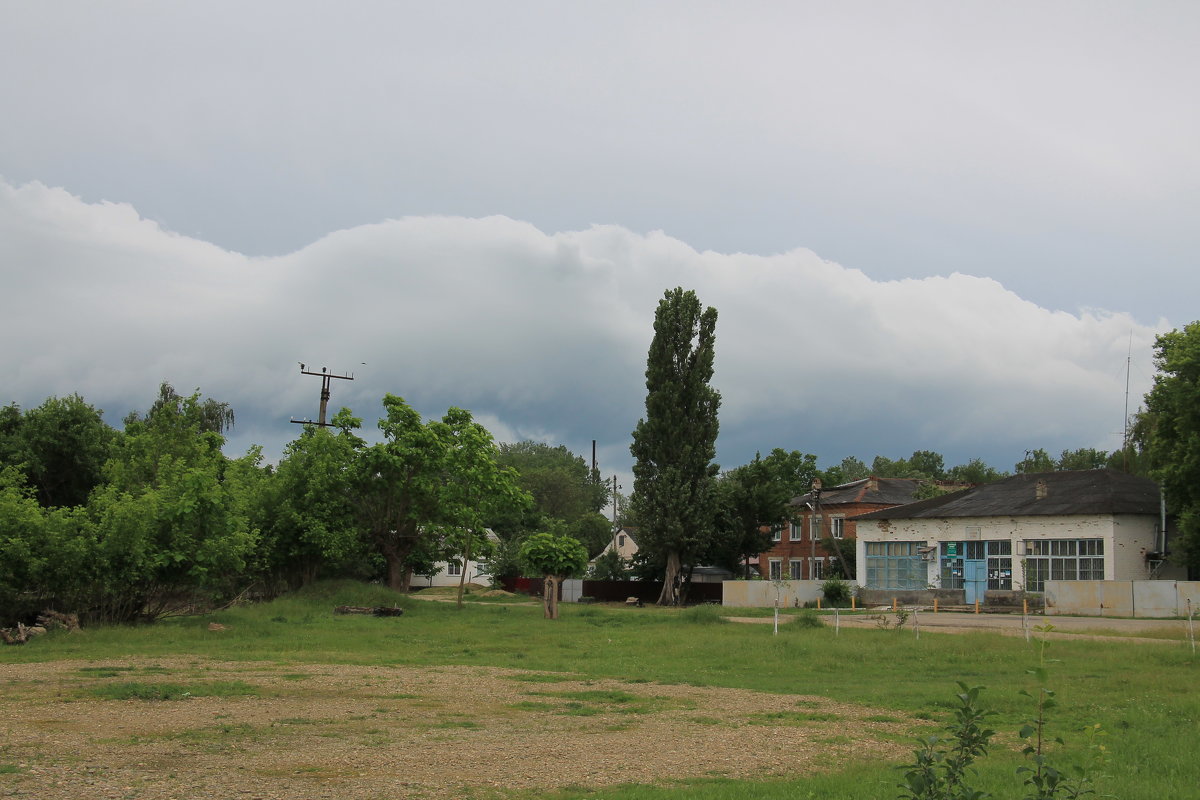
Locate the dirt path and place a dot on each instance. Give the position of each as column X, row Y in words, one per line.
column 359, row 733
column 1140, row 630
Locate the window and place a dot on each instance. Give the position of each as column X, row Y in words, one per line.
column 1062, row 560
column 621, row 540
column 818, row 569
column 795, row 569
column 775, row 565
column 814, row 526
column 999, row 564
column 837, row 527
column 776, row 533
column 453, row 568
column 795, row 532
column 895, row 565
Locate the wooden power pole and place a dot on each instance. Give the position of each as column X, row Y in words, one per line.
column 326, row 376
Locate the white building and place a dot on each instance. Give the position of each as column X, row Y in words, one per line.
column 449, row 573
column 1017, row 533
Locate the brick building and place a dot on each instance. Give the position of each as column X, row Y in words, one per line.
column 797, row 552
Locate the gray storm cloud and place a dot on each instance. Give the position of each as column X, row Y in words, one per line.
column 544, row 335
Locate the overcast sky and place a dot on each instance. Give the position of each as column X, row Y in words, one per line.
column 943, row 226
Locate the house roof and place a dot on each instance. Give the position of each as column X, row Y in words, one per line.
column 868, row 491
column 1092, row 491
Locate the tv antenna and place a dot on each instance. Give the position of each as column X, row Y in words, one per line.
column 326, row 376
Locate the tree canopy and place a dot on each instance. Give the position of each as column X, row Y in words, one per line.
column 1169, row 432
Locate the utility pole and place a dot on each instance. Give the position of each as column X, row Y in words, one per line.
column 326, row 376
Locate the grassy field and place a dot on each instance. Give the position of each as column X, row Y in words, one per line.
column 1144, row 695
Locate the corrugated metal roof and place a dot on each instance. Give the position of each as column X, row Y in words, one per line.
column 1093, row 491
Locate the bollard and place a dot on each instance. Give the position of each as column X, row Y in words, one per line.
column 935, row 605
column 853, row 603
column 893, row 604
column 818, row 604
column 1025, row 606
column 976, row 606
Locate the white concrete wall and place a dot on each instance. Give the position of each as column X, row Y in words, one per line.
column 1122, row 598
column 762, row 594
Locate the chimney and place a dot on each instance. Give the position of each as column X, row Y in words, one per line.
column 1040, row 489
column 872, row 484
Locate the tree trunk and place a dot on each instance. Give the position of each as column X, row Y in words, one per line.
column 670, row 590
column 398, row 574
column 550, row 595
column 462, row 574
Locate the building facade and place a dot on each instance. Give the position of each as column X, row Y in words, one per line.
column 1015, row 534
column 796, row 552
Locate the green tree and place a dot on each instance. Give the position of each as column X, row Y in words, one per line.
column 927, row 464
column 476, row 488
column 310, row 524
column 853, row 469
column 561, row 483
column 1169, row 432
column 975, row 471
column 168, row 523
column 674, row 446
column 1035, row 461
column 61, row 446
column 1083, row 458
column 609, row 566
column 555, row 555
column 753, row 499
column 396, row 485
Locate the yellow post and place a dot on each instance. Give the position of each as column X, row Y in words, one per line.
column 853, row 602
column 935, row 605
column 1025, row 606
column 818, row 604
column 976, row 606
column 893, row 604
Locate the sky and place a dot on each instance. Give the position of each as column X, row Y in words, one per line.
column 931, row 225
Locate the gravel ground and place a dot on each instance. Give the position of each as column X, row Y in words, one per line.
column 348, row 732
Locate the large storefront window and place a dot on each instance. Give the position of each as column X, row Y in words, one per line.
column 895, row 565
column 1062, row 560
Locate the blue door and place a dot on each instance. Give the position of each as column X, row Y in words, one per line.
column 974, row 579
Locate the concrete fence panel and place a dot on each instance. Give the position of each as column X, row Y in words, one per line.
column 762, row 594
column 1151, row 599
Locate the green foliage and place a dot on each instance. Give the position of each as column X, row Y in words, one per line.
column 561, row 484
column 754, row 497
column 1169, row 432
column 610, row 567
column 1036, row 461
column 60, row 447
column 975, row 471
column 554, row 553
column 944, row 765
column 674, row 445
column 837, row 592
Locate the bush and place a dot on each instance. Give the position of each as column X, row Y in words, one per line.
column 808, row 618
column 837, row 592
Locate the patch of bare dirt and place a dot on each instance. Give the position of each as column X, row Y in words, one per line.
column 347, row 732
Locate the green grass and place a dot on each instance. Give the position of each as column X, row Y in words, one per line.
column 1144, row 695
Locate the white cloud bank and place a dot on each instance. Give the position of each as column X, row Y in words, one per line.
column 545, row 336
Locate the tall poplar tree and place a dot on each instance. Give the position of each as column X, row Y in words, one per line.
column 674, row 446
